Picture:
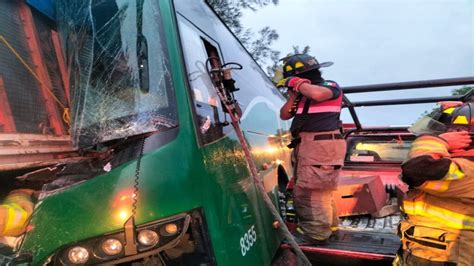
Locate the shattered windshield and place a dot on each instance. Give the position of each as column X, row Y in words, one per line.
column 119, row 69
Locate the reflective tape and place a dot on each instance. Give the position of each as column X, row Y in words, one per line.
column 15, row 220
column 426, row 145
column 449, row 110
column 435, row 186
column 333, row 106
column 461, row 120
column 323, row 109
column 446, row 217
column 454, row 173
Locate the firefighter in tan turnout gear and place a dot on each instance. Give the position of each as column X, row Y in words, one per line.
column 439, row 229
column 318, row 147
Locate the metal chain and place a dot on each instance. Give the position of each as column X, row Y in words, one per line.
column 136, row 181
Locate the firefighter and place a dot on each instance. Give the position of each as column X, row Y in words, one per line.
column 15, row 211
column 318, row 146
column 439, row 207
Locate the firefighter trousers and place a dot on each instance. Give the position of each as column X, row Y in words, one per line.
column 316, row 211
column 318, row 160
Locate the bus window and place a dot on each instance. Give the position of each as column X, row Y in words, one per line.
column 207, row 105
column 121, row 74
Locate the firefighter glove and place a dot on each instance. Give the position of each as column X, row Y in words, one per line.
column 292, row 83
column 457, row 140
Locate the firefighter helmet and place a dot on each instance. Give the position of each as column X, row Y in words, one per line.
column 300, row 63
column 458, row 117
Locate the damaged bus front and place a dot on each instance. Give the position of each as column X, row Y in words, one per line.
column 154, row 181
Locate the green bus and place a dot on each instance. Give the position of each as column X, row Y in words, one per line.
column 161, row 175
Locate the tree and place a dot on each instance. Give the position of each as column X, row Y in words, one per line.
column 462, row 90
column 230, row 11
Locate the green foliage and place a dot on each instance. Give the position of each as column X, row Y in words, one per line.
column 459, row 91
column 258, row 44
column 462, row 90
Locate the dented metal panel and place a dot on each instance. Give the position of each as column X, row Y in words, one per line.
column 23, row 151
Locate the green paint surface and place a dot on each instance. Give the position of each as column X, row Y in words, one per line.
column 178, row 177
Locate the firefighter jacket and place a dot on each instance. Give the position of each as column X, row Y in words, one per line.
column 15, row 211
column 440, row 205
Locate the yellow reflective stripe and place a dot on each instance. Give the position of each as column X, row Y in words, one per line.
column 16, row 218
column 429, row 148
column 430, row 143
column 441, row 215
column 449, row 110
column 10, row 218
column 435, row 186
column 461, row 120
column 299, row 64
column 454, row 173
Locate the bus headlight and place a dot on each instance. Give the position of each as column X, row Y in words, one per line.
column 111, row 246
column 148, row 237
column 78, row 255
column 171, row 229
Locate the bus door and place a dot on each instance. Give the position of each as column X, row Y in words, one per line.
column 233, row 216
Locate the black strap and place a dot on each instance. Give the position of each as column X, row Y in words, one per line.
column 408, row 234
column 294, row 142
column 336, row 167
column 307, row 103
column 328, row 136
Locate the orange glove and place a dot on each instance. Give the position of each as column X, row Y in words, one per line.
column 456, row 140
column 292, row 83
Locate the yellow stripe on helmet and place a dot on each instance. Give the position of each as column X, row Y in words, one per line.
column 449, row 110
column 461, row 120
column 299, row 64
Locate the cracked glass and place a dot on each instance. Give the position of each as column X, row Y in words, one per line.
column 119, row 69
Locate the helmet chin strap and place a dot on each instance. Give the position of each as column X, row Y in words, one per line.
column 313, row 75
column 317, row 80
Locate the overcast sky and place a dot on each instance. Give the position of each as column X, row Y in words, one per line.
column 378, row 41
